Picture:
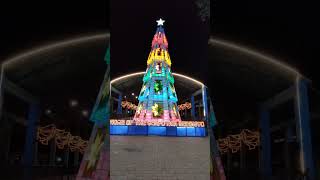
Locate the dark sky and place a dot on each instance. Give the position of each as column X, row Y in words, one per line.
column 133, row 25
column 33, row 23
column 284, row 29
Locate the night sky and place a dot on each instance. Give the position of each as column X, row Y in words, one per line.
column 133, row 25
column 287, row 30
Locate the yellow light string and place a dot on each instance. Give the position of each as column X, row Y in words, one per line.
column 234, row 142
column 62, row 138
column 128, row 105
column 184, row 106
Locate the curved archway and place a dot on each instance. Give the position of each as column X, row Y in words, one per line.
column 259, row 56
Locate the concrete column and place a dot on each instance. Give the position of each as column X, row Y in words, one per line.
column 229, row 156
column 205, row 103
column 1, row 88
column 76, row 159
column 66, row 157
column 33, row 118
column 243, row 161
column 199, row 111
column 35, row 154
column 7, row 137
column 119, row 109
column 193, row 112
column 52, row 156
column 265, row 159
column 303, row 128
column 287, row 152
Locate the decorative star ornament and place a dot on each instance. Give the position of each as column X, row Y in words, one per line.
column 160, row 22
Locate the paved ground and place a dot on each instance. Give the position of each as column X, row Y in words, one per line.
column 159, row 158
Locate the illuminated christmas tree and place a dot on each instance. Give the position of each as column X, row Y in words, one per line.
column 95, row 162
column 158, row 98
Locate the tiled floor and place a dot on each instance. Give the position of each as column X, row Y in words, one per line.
column 159, row 158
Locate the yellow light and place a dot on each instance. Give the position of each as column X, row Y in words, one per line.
column 61, row 137
column 234, row 142
column 245, row 50
column 52, row 46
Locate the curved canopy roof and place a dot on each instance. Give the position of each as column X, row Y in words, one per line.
column 235, row 75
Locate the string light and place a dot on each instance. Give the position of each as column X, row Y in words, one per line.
column 184, row 106
column 234, row 142
column 128, row 105
column 61, row 137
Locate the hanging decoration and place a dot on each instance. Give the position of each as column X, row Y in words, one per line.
column 234, row 142
column 184, row 106
column 129, row 105
column 62, row 138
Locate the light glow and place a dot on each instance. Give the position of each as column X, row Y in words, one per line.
column 160, row 22
column 260, row 56
column 49, row 47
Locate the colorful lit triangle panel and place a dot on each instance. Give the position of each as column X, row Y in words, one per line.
column 158, row 98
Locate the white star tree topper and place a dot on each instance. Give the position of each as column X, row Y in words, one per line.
column 160, row 22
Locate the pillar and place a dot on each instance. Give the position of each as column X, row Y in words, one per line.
column 1, row 88
column 243, row 160
column 287, row 152
column 52, row 156
column 35, row 154
column 265, row 158
column 303, row 128
column 119, row 109
column 193, row 112
column 33, row 117
column 7, row 132
column 66, row 157
column 199, row 111
column 76, row 158
column 205, row 102
column 229, row 161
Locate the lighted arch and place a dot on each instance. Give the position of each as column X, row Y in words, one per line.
column 260, row 56
column 51, row 46
column 81, row 39
column 142, row 73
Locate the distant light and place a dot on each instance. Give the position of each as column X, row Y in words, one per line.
column 132, row 94
column 73, row 103
column 128, row 111
column 59, row 159
column 85, row 113
column 136, row 97
column 48, row 111
column 125, row 96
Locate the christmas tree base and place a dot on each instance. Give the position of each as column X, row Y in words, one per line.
column 132, row 130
